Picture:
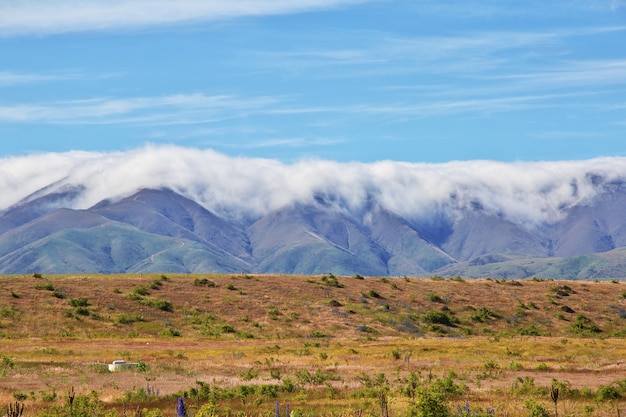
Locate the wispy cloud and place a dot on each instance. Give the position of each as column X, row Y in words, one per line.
column 494, row 54
column 162, row 110
column 477, row 105
column 18, row 78
column 594, row 73
column 464, row 9
column 292, row 142
column 19, row 17
column 198, row 109
column 384, row 52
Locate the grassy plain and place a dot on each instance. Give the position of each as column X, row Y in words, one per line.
column 325, row 345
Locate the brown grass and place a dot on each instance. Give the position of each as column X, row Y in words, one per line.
column 265, row 325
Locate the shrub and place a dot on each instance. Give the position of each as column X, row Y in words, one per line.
column 273, row 313
column 203, row 282
column 607, row 393
column 536, row 409
column 248, row 374
column 162, row 305
column 46, row 287
column 172, row 332
column 584, row 326
column 530, row 330
column 79, row 302
column 430, row 403
column 331, row 281
column 142, row 366
column 484, row 314
column 83, row 311
column 20, row 396
column 8, row 312
column 562, row 290
column 140, row 290
column 435, row 298
column 128, row 318
column 226, row 328
column 374, row 294
column 335, row 303
column 437, row 317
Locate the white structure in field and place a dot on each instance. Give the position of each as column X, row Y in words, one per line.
column 120, row 365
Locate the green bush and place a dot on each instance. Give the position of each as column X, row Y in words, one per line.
column 607, row 393
column 203, row 282
column 583, row 326
column 331, row 281
column 79, row 302
column 83, row 311
column 128, row 318
column 374, row 294
column 435, row 298
column 429, row 403
column 437, row 317
column 140, row 290
column 46, row 287
column 20, row 396
column 484, row 314
column 142, row 366
column 536, row 409
column 162, row 305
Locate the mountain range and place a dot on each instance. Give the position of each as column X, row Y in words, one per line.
column 160, row 230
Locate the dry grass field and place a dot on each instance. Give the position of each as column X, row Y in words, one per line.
column 325, row 345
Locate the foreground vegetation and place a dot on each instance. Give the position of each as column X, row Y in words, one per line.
column 312, row 345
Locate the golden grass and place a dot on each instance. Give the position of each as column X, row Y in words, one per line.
column 255, row 330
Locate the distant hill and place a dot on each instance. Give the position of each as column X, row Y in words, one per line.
column 159, row 230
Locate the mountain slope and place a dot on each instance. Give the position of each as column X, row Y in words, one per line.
column 67, row 241
column 159, row 230
column 307, row 239
column 166, row 213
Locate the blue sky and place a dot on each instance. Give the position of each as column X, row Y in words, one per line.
column 345, row 80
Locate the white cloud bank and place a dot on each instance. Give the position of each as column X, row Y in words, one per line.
column 524, row 192
column 20, row 17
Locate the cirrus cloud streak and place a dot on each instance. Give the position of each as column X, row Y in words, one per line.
column 21, row 17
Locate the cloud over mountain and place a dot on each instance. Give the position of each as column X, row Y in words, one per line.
column 524, row 193
column 174, row 209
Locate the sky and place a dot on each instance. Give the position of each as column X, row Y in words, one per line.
column 342, row 80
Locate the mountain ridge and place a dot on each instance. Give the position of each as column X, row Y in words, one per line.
column 160, row 230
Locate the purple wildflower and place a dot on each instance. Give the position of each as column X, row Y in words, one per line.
column 181, row 410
